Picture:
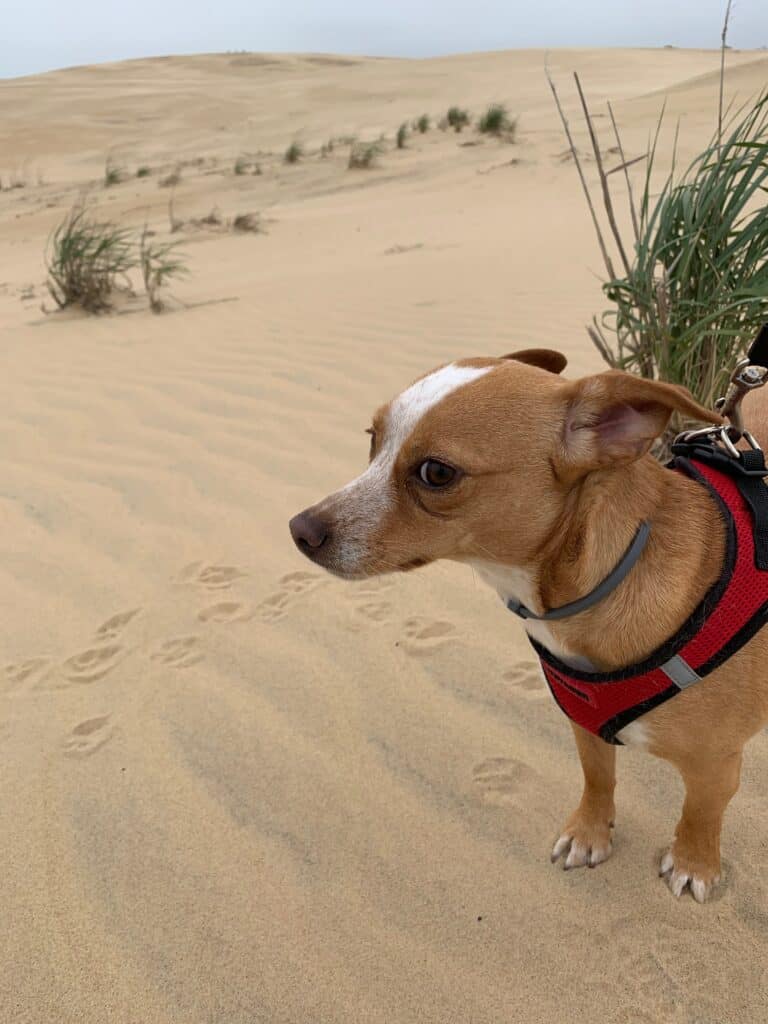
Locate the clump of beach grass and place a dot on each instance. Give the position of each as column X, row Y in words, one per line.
column 402, row 135
column 294, row 153
column 247, row 222
column 423, row 124
column 457, row 118
column 159, row 263
column 689, row 285
column 143, row 171
column 363, row 155
column 245, row 165
column 171, row 180
column 86, row 261
column 495, row 120
column 114, row 173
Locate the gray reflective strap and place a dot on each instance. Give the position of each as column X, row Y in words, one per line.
column 680, row 672
column 602, row 590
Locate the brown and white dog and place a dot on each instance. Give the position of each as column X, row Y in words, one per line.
column 540, row 484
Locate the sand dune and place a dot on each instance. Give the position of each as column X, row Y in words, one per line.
column 235, row 790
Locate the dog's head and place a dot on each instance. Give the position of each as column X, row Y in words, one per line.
column 477, row 460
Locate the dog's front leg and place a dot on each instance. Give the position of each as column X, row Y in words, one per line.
column 693, row 860
column 586, row 838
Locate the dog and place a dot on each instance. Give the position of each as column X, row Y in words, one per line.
column 540, row 484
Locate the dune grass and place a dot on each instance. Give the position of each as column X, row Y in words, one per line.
column 363, row 155
column 247, row 223
column 159, row 263
column 457, row 118
column 401, row 138
column 423, row 124
column 689, row 289
column 495, row 120
column 86, row 260
column 113, row 173
column 171, row 180
column 143, row 171
column 245, row 165
column 294, row 153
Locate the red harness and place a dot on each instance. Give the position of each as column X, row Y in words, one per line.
column 731, row 613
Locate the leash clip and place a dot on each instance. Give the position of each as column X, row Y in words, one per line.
column 747, row 376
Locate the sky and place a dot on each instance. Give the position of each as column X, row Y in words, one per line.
column 39, row 35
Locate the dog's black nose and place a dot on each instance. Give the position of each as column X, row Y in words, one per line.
column 309, row 532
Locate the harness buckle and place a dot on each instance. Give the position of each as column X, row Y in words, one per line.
column 719, row 443
column 746, row 377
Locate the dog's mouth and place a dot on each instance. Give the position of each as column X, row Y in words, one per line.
column 413, row 563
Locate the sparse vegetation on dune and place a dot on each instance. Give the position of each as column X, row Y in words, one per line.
column 363, row 155
column 245, row 165
column 422, row 124
column 689, row 286
column 159, row 263
column 114, row 173
column 457, row 118
column 402, row 135
column 495, row 120
column 171, row 180
column 247, row 222
column 695, row 289
column 212, row 219
column 15, row 179
column 294, row 153
column 143, row 171
column 86, row 262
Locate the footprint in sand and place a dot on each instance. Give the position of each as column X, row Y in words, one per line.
column 366, row 599
column 93, row 663
column 372, row 586
column 181, row 652
column 292, row 587
column 526, row 677
column 500, row 779
column 112, row 628
column 226, row 611
column 425, row 636
column 27, row 673
column 376, row 611
column 211, row 577
column 86, row 738
column 658, row 978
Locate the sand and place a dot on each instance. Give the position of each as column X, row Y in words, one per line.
column 234, row 790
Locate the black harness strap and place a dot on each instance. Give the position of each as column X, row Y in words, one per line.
column 749, row 472
column 755, row 493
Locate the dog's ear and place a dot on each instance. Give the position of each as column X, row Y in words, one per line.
column 614, row 418
column 544, row 358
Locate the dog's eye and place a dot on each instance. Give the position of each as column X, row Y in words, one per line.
column 436, row 474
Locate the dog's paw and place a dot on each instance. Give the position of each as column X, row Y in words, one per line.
column 583, row 843
column 682, row 872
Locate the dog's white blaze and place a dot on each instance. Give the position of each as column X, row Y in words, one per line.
column 365, row 500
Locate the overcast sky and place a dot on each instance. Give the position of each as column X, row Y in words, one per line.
column 37, row 35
